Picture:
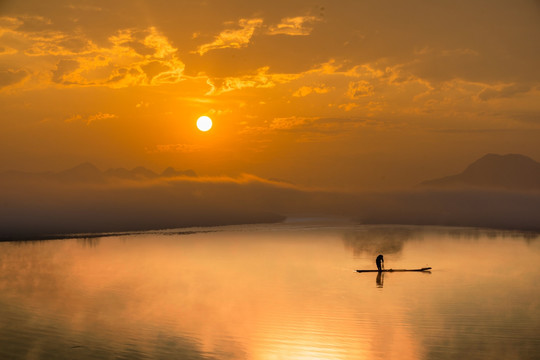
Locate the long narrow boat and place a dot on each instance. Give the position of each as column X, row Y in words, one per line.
column 393, row 270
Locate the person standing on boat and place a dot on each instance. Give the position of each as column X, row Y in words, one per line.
column 380, row 262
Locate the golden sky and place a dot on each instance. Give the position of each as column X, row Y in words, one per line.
column 358, row 93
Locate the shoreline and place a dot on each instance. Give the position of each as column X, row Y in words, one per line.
column 190, row 229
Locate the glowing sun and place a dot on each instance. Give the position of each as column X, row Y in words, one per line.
column 204, row 123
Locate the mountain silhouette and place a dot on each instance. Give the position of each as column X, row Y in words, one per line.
column 85, row 172
column 511, row 171
column 171, row 172
column 143, row 173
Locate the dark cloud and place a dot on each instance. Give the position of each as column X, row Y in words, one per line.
column 64, row 67
column 504, row 92
column 11, row 77
column 139, row 48
column 154, row 68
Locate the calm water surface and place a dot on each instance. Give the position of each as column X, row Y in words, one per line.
column 286, row 291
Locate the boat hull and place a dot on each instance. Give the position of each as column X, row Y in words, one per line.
column 395, row 270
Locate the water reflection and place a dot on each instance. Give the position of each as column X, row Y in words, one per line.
column 375, row 240
column 380, row 279
column 89, row 241
column 271, row 293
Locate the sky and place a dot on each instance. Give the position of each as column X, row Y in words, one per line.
column 328, row 94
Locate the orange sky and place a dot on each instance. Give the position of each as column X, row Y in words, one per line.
column 343, row 93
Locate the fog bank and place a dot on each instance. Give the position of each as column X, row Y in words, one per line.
column 35, row 208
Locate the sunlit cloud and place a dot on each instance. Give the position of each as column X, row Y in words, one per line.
column 6, row 50
column 293, row 26
column 233, row 38
column 348, row 106
column 306, row 90
column 90, row 118
column 359, row 89
column 262, row 79
column 290, row 122
column 9, row 23
column 309, row 128
column 55, row 43
column 134, row 57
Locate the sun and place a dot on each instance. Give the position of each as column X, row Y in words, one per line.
column 204, row 123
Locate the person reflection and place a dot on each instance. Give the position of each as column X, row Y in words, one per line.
column 380, row 279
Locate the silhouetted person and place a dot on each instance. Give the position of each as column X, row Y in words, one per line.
column 380, row 262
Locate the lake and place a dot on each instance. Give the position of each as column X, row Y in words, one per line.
column 282, row 291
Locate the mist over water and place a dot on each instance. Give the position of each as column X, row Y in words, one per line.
column 36, row 207
column 283, row 291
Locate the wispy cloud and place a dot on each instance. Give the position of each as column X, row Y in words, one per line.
column 504, row 91
column 293, row 26
column 290, row 122
column 359, row 89
column 306, row 90
column 262, row 79
column 175, row 148
column 233, row 38
column 88, row 119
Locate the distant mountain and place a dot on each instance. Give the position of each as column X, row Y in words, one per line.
column 171, row 172
column 84, row 172
column 88, row 173
column 143, row 173
column 120, row 173
column 511, row 171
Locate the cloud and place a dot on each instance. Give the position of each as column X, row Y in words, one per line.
column 24, row 23
column 505, row 91
column 306, row 90
column 262, row 79
column 56, row 43
column 358, row 89
column 91, row 118
column 291, row 122
column 176, row 148
column 310, row 129
column 348, row 106
column 437, row 66
column 12, row 77
column 233, row 38
column 83, row 7
column 132, row 57
column 63, row 69
column 284, row 124
column 9, row 23
column 6, row 50
column 293, row 26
